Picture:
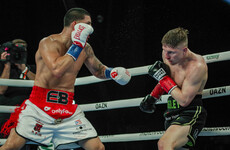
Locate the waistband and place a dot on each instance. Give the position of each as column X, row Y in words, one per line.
column 197, row 101
column 56, row 103
column 51, row 95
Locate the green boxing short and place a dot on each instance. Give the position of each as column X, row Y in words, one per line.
column 194, row 115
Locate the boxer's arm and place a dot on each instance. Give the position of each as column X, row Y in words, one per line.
column 56, row 62
column 191, row 85
column 93, row 63
column 118, row 74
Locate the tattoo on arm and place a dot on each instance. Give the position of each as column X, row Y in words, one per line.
column 93, row 64
column 88, row 51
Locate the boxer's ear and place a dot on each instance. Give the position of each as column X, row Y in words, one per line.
column 185, row 50
column 73, row 24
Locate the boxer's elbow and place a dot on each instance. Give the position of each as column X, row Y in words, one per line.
column 183, row 98
column 184, row 104
column 58, row 69
column 57, row 72
column 185, row 101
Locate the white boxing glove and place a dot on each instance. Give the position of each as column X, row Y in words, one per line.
column 120, row 75
column 79, row 38
column 80, row 34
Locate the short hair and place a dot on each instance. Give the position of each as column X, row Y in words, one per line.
column 19, row 41
column 74, row 14
column 175, row 37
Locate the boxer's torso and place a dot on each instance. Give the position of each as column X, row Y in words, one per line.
column 180, row 72
column 44, row 76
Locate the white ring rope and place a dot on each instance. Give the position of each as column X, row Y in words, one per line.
column 134, row 102
column 211, row 131
column 216, row 131
column 210, row 58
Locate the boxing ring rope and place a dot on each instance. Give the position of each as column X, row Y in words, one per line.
column 217, row 131
column 134, row 102
column 210, row 58
column 144, row 136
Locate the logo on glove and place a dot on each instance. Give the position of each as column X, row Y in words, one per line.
column 159, row 74
column 78, row 32
column 114, row 74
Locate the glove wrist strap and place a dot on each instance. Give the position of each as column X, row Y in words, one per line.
column 107, row 73
column 74, row 51
column 157, row 91
column 167, row 84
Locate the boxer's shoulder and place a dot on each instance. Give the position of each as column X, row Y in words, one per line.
column 52, row 39
column 50, row 43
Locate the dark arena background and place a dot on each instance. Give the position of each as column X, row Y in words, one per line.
column 128, row 33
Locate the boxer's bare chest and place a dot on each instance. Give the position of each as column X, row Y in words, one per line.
column 178, row 74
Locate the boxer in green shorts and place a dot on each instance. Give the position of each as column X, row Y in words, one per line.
column 183, row 74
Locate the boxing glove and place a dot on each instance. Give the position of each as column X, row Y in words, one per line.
column 79, row 38
column 118, row 74
column 148, row 103
column 161, row 72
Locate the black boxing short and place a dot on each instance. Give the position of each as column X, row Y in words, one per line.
column 193, row 115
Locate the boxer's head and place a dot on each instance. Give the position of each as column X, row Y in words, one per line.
column 175, row 45
column 76, row 15
column 176, row 38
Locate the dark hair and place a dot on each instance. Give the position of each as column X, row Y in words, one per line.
column 175, row 37
column 74, row 14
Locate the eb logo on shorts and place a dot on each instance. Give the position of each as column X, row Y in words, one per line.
column 57, row 97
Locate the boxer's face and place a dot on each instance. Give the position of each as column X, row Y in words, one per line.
column 173, row 55
column 86, row 20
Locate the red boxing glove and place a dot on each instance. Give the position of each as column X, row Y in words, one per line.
column 148, row 103
column 157, row 91
column 167, row 84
